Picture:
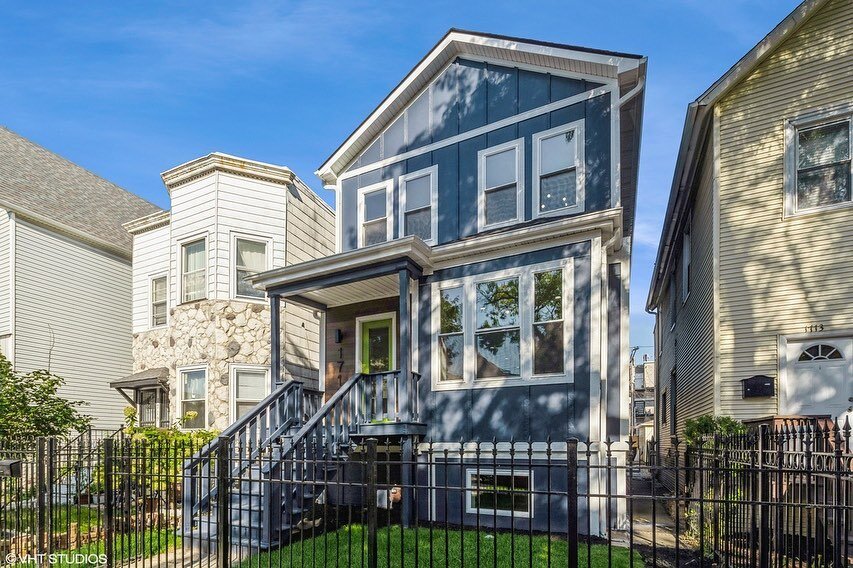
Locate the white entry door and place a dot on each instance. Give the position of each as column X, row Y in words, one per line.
column 820, row 378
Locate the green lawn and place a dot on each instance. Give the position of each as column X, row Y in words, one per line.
column 347, row 546
column 63, row 515
column 148, row 543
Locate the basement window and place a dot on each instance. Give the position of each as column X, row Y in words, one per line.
column 502, row 492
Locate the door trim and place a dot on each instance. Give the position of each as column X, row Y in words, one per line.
column 782, row 387
column 375, row 317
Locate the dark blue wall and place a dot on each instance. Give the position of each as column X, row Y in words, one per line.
column 519, row 412
column 473, row 95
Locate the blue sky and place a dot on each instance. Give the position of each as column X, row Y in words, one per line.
column 130, row 89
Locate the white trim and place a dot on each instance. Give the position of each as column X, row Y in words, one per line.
column 432, row 172
column 233, row 369
column 188, row 240
column 812, row 119
column 782, row 356
column 13, row 288
column 151, row 279
column 376, row 317
column 321, row 375
column 232, row 263
column 525, row 276
column 578, row 128
column 388, row 187
column 179, row 402
column 715, row 262
column 545, row 109
column 470, row 472
column 482, row 155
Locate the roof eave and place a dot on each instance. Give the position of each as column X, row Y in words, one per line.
column 217, row 161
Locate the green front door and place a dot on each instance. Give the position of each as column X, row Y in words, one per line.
column 377, row 346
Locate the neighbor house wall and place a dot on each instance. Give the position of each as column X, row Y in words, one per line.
column 6, row 269
column 777, row 274
column 73, row 317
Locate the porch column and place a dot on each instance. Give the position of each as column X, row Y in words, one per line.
column 404, row 381
column 275, row 341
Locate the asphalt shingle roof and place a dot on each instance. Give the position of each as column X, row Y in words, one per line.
column 40, row 182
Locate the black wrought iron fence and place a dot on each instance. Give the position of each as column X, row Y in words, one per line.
column 767, row 498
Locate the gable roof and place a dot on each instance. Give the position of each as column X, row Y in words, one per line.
column 46, row 188
column 457, row 42
column 696, row 124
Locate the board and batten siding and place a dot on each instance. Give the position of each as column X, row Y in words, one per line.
column 73, row 316
column 5, row 272
column 687, row 351
column 779, row 275
column 150, row 258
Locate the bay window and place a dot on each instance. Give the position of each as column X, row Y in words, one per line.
column 513, row 325
column 193, row 271
column 250, row 257
column 501, row 185
column 558, row 172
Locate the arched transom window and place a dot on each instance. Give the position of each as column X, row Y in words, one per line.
column 822, row 352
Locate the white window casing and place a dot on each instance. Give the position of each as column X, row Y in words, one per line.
column 250, row 384
column 517, row 491
column 371, row 218
column 461, row 293
column 500, row 169
column 250, row 254
column 193, row 267
column 192, row 396
column 410, row 206
column 819, row 161
column 158, row 300
column 553, row 170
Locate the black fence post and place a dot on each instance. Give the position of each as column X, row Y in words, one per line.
column 41, row 505
column 764, row 500
column 109, row 502
column 838, row 510
column 372, row 546
column 223, row 498
column 572, row 497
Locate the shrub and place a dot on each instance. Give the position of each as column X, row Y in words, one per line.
column 697, row 431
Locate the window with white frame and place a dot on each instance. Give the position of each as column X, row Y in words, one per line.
column 250, row 257
column 193, row 398
column 374, row 214
column 819, row 167
column 686, row 246
column 250, row 388
column 558, row 172
column 510, row 325
column 501, row 492
column 158, row 301
column 501, row 185
column 193, row 271
column 418, row 199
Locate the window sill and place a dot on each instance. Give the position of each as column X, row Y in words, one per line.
column 817, row 210
column 499, row 383
column 573, row 210
column 249, row 299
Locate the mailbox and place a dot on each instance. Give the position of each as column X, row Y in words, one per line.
column 10, row 468
column 759, row 385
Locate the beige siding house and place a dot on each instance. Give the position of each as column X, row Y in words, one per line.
column 65, row 273
column 200, row 331
column 754, row 276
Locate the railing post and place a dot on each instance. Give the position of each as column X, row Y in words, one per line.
column 41, row 506
column 838, row 509
column 275, row 341
column 405, row 346
column 109, row 504
column 372, row 546
column 572, row 498
column 223, row 499
column 764, row 500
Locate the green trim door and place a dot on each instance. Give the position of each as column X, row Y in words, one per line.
column 377, row 346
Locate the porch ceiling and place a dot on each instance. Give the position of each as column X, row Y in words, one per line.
column 362, row 291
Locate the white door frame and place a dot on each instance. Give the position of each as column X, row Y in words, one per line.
column 784, row 340
column 376, row 317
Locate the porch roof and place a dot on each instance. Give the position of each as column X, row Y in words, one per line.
column 154, row 377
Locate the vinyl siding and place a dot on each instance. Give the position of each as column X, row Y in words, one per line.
column 778, row 275
column 73, row 315
column 193, row 214
column 5, row 273
column 688, row 348
column 150, row 258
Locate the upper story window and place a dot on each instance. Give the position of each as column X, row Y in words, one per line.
column 672, row 304
column 686, row 246
column 819, row 169
column 374, row 207
column 558, row 172
column 193, row 271
column 250, row 257
column 418, row 200
column 510, row 325
column 158, row 301
column 501, row 185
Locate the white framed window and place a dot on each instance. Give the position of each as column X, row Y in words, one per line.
column 686, row 252
column 558, row 170
column 250, row 255
column 418, row 203
column 250, row 384
column 375, row 223
column 818, row 165
column 158, row 300
column 501, row 492
column 194, row 270
column 500, row 179
column 504, row 327
column 193, row 397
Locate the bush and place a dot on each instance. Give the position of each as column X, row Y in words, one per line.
column 697, row 431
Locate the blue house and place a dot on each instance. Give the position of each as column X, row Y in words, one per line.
column 479, row 290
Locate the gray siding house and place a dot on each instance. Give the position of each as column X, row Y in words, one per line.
column 483, row 243
column 65, row 273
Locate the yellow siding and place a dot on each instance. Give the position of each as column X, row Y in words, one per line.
column 778, row 275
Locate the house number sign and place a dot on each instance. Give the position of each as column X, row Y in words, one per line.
column 814, row 327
